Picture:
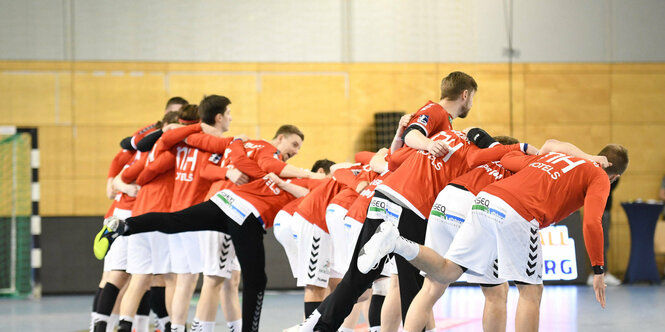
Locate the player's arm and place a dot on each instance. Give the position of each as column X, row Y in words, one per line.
column 212, row 144
column 552, row 145
column 147, row 142
column 244, row 164
column 126, row 143
column 171, row 137
column 398, row 142
column 378, row 163
column 288, row 186
column 417, row 140
column 269, row 164
column 163, row 163
column 363, row 157
column 290, row 171
column 213, row 172
column 110, row 191
column 129, row 189
column 477, row 157
column 594, row 206
column 119, row 161
column 345, row 176
column 516, row 160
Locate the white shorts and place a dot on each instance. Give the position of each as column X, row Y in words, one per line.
column 139, row 249
column 315, row 255
column 185, row 253
column 116, row 258
column 286, row 230
column 448, row 214
column 344, row 242
column 495, row 231
column 336, row 227
column 161, row 255
column 218, row 253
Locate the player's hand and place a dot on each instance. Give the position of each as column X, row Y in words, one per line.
column 531, row 150
column 236, row 176
column 438, row 148
column 404, row 120
column 210, row 130
column 602, row 161
column 171, row 126
column 599, row 288
column 361, row 186
column 132, row 190
column 274, row 178
column 110, row 191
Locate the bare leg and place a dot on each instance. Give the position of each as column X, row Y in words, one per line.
column 437, row 268
column 528, row 308
column 420, row 311
column 138, row 285
column 169, row 283
column 391, row 311
column 206, row 309
column 185, row 284
column 230, row 299
column 494, row 314
column 119, row 279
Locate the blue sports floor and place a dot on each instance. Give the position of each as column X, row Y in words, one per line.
column 564, row 308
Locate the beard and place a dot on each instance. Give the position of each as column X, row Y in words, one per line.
column 464, row 112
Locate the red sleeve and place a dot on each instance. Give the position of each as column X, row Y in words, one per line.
column 364, row 157
column 209, row 143
column 397, row 158
column 132, row 172
column 477, row 156
column 346, row 177
column 164, row 162
column 240, row 161
column 119, row 161
column 141, row 133
column 594, row 206
column 516, row 160
column 212, row 172
column 268, row 161
column 173, row 136
column 431, row 118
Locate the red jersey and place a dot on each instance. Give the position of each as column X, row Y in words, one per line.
column 431, row 118
column 189, row 187
column 141, row 133
column 345, row 198
column 313, row 207
column 482, row 176
column 156, row 195
column 550, row 187
column 262, row 198
column 291, row 206
column 119, row 161
column 124, row 201
column 358, row 209
column 417, row 182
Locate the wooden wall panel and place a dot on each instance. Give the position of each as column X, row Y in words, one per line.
column 638, row 98
column 370, row 92
column 118, row 97
column 28, row 98
column 645, row 153
column 241, row 89
column 56, row 145
column 591, row 138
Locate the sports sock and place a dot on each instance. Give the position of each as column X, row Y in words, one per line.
column 235, row 326
column 310, row 307
column 107, row 299
column 406, row 248
column 158, row 301
column 141, row 323
column 374, row 313
column 163, row 324
column 113, row 322
column 125, row 324
column 177, row 328
column 344, row 329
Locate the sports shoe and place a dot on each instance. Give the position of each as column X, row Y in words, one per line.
column 106, row 236
column 611, row 280
column 379, row 245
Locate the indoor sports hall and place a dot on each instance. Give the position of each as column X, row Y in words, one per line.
column 218, row 165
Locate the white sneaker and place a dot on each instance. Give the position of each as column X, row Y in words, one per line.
column 112, row 223
column 379, row 245
column 611, row 280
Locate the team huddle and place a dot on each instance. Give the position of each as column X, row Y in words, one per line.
column 393, row 229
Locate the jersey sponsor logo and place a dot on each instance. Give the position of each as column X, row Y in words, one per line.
column 483, row 204
column 492, row 172
column 183, row 176
column 215, row 158
column 438, row 210
column 272, row 185
column 555, row 158
column 423, row 119
column 228, row 200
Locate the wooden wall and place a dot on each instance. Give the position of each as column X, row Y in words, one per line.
column 83, row 109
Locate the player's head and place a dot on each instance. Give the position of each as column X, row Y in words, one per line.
column 189, row 114
column 618, row 156
column 459, row 86
column 288, row 140
column 215, row 111
column 168, row 118
column 175, row 104
column 506, row 140
column 322, row 166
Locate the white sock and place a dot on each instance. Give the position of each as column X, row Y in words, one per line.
column 432, row 330
column 112, row 322
column 206, row 327
column 375, row 329
column 177, row 328
column 127, row 318
column 141, row 323
column 406, row 248
column 344, row 329
column 235, row 326
column 93, row 319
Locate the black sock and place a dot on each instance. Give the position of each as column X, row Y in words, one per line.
column 124, row 326
column 167, row 327
column 100, row 326
column 158, row 301
column 107, row 299
column 95, row 300
column 374, row 313
column 144, row 305
column 310, row 307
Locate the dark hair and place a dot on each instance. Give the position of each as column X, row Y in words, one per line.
column 288, row 130
column 455, row 83
column 323, row 163
column 189, row 114
column 506, row 140
column 177, row 100
column 212, row 105
column 170, row 117
column 618, row 156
